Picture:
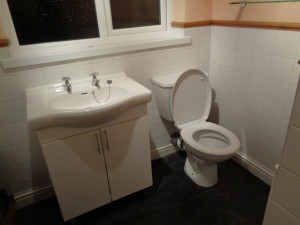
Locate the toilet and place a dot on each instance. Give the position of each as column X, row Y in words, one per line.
column 185, row 99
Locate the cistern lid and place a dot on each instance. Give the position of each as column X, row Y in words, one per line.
column 191, row 98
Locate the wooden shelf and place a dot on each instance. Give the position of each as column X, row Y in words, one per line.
column 233, row 23
column 4, row 42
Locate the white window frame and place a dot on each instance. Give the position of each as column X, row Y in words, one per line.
column 126, row 31
column 107, row 34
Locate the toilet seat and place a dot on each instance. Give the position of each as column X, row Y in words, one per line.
column 187, row 134
column 190, row 110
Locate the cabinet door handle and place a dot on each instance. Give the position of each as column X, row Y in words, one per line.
column 107, row 145
column 98, row 147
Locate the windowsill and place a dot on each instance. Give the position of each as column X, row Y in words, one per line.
column 110, row 47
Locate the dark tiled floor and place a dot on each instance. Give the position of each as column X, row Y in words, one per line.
column 239, row 198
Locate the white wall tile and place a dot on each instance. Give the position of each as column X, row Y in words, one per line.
column 204, row 36
column 141, row 65
column 245, row 39
column 241, row 80
column 9, row 88
column 264, row 41
column 285, row 44
column 272, row 111
column 227, row 75
column 176, row 59
column 261, row 64
column 287, row 191
column 17, row 133
column 204, row 54
column 227, row 57
column 191, row 57
column 30, row 79
column 12, row 175
column 269, row 150
column 257, row 85
column 80, row 71
column 243, row 60
column 291, row 95
column 281, row 137
column 215, row 55
column 296, row 73
column 13, row 111
column 281, row 69
column 269, row 130
column 239, row 98
column 27, row 152
column 55, row 75
column 277, row 91
column 250, row 121
column 279, row 216
column 254, row 104
column 123, row 65
column 224, row 36
column 3, row 138
column 102, row 68
column 295, row 118
column 160, row 62
column 290, row 158
column 7, row 159
column 286, row 115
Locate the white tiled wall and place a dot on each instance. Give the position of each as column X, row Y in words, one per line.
column 283, row 203
column 254, row 73
column 21, row 162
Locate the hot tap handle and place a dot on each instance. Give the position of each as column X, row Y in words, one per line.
column 66, row 78
column 94, row 74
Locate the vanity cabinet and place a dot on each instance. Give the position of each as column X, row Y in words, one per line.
column 93, row 168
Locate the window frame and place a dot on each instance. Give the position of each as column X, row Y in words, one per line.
column 107, row 34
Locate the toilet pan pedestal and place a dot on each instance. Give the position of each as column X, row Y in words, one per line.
column 202, row 173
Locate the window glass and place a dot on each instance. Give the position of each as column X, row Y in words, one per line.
column 53, row 20
column 135, row 13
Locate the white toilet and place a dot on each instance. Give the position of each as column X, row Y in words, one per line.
column 185, row 99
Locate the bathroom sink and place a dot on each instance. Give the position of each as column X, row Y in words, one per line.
column 85, row 98
column 85, row 105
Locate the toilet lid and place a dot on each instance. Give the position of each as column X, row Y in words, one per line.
column 191, row 97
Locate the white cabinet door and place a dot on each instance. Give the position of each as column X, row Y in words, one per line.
column 127, row 155
column 77, row 170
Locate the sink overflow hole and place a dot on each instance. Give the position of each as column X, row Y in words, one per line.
column 84, row 93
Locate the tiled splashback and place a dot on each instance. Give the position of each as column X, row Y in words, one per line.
column 254, row 73
column 21, row 162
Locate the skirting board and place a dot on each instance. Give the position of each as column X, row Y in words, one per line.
column 34, row 195
column 257, row 169
column 162, row 151
column 41, row 193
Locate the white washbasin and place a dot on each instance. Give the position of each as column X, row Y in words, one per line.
column 85, row 105
column 85, row 98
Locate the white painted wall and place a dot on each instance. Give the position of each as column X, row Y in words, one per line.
column 254, row 73
column 22, row 165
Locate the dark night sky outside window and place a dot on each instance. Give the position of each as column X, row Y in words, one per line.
column 135, row 13
column 42, row 21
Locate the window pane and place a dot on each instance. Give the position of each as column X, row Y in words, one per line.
column 135, row 13
column 53, row 20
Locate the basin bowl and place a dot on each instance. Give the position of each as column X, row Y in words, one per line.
column 51, row 105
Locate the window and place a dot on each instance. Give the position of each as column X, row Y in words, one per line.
column 50, row 21
column 54, row 21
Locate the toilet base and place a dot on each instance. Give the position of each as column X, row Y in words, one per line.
column 205, row 175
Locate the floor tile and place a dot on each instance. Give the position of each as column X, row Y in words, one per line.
column 238, row 198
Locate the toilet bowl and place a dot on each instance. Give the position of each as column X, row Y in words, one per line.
column 185, row 99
